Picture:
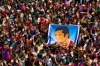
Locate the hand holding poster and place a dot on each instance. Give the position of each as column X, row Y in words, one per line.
column 65, row 35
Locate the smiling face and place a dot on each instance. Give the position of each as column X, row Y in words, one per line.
column 60, row 37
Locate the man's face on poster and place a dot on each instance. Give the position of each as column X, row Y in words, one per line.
column 60, row 37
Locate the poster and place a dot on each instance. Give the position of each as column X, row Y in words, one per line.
column 63, row 34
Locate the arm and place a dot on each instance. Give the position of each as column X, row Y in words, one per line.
column 5, row 63
column 83, row 12
column 34, row 61
column 46, row 46
column 22, row 52
column 19, row 2
column 56, row 61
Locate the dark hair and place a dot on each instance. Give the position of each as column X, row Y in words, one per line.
column 64, row 29
column 98, row 35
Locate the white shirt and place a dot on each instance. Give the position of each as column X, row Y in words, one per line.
column 48, row 61
column 22, row 62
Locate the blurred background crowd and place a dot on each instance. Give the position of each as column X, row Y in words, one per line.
column 24, row 32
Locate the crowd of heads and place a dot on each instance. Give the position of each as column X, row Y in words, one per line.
column 24, row 32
